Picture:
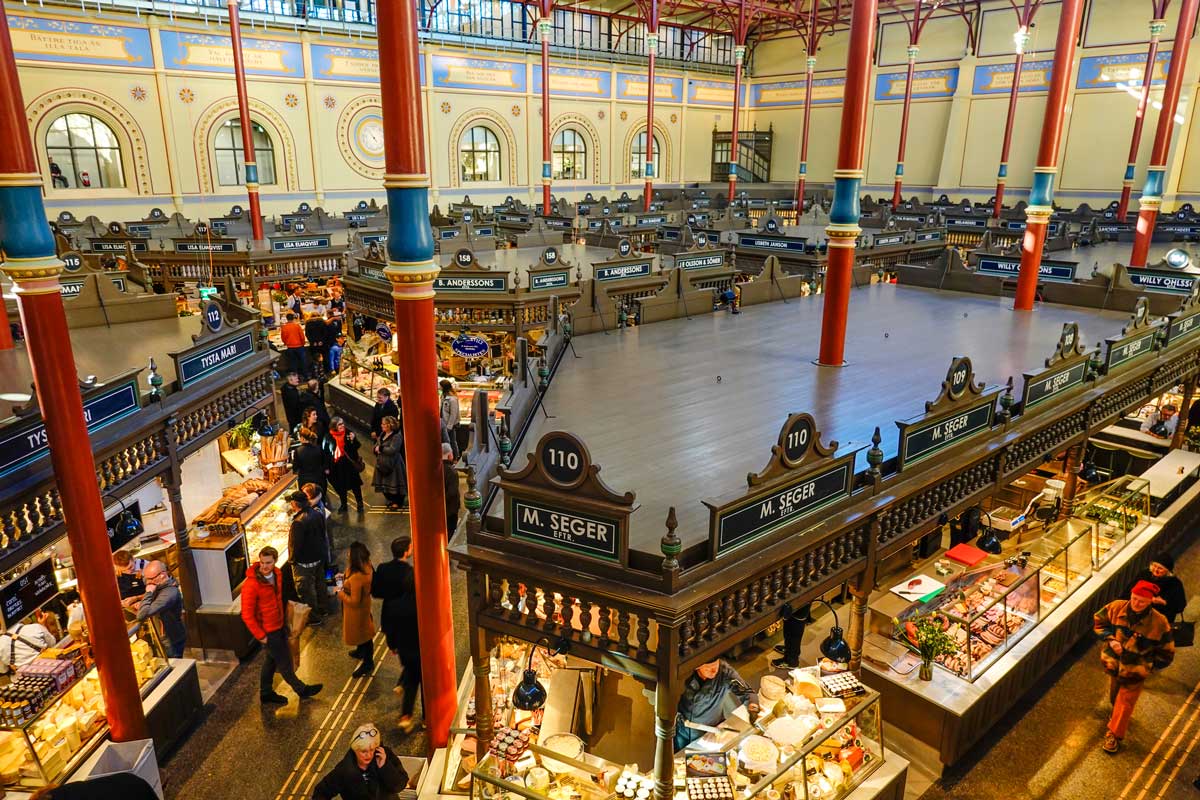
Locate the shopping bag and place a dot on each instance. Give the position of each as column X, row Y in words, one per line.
column 297, row 619
column 1184, row 633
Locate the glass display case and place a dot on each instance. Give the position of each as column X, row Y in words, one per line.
column 271, row 522
column 1119, row 509
column 782, row 757
column 1064, row 556
column 985, row 611
column 53, row 713
column 559, row 770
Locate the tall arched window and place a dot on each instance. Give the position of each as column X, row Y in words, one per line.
column 479, row 155
column 231, row 158
column 569, row 154
column 84, row 153
column 637, row 157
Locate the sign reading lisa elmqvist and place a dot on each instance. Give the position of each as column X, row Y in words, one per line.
column 558, row 502
column 961, row 411
column 801, row 478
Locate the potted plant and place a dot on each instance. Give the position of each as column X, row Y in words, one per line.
column 1192, row 439
column 932, row 641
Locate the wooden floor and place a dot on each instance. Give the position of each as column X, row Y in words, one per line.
column 681, row 411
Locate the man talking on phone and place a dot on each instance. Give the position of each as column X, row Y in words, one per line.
column 367, row 772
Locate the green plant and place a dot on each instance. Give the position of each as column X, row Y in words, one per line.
column 240, row 435
column 932, row 639
column 1193, row 438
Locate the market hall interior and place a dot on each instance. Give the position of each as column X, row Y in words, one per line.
column 700, row 400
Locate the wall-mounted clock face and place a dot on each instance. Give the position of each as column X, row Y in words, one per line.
column 369, row 136
column 360, row 136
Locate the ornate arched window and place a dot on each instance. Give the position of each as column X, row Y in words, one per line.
column 569, row 155
column 637, row 157
column 231, row 157
column 479, row 155
column 83, row 153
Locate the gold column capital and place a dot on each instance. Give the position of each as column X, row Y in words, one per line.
column 33, row 275
column 412, row 280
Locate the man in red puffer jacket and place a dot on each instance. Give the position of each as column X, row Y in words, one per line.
column 263, row 612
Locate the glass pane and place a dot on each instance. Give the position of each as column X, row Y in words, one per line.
column 88, row 168
column 266, row 168
column 104, row 135
column 63, row 159
column 110, row 167
column 223, row 138
column 260, row 136
column 493, row 170
column 57, row 135
column 227, row 172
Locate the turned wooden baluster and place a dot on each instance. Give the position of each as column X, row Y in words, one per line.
column 643, row 634
column 623, row 627
column 585, row 619
column 604, row 624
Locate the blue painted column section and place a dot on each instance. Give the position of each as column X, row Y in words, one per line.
column 409, row 241
column 23, row 229
column 1042, row 191
column 845, row 209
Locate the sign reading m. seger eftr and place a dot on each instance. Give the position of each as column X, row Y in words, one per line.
column 756, row 516
column 921, row 441
column 572, row 530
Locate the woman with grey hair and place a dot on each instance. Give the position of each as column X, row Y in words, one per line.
column 368, row 771
column 343, row 464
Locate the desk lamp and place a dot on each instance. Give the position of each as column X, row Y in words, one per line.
column 530, row 694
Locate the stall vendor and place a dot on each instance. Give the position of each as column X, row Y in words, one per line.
column 703, row 699
column 1162, row 423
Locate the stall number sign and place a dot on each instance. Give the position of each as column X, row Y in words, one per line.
column 204, row 247
column 24, row 595
column 25, row 446
column 72, row 262
column 929, row 236
column 1128, row 351
column 549, row 280
column 574, row 531
column 750, row 519
column 771, row 243
column 1042, row 389
column 1161, row 282
column 1007, row 268
column 310, row 243
column 923, row 440
column 490, row 284
column 621, row 271
column 205, row 362
column 701, row 262
column 1180, row 327
column 883, row 241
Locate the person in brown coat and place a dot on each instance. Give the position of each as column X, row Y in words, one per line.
column 358, row 627
column 1137, row 641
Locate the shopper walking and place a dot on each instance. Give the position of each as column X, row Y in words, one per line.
column 1171, row 599
column 317, row 501
column 384, row 407
column 368, row 771
column 289, row 394
column 391, row 470
column 344, row 464
column 307, row 551
column 293, row 340
column 315, row 334
column 265, row 615
column 308, row 462
column 358, row 628
column 394, row 584
column 164, row 601
column 1137, row 641
column 450, row 480
column 450, row 413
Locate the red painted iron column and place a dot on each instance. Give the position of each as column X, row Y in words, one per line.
column 1152, row 192
column 913, row 49
column 545, row 27
column 810, row 67
column 652, row 51
column 1020, row 40
column 412, row 271
column 1041, row 195
column 1135, row 142
column 239, row 75
column 843, row 227
column 739, row 55
column 32, row 264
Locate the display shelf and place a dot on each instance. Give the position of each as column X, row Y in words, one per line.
column 70, row 725
column 1064, row 555
column 269, row 521
column 1120, row 509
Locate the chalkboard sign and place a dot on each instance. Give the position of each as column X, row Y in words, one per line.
column 26, row 593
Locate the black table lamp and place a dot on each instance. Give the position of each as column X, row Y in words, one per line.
column 834, row 646
column 530, row 694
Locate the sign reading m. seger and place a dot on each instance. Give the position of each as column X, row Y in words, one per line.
column 585, row 534
column 757, row 516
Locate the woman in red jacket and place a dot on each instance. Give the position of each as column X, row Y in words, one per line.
column 264, row 613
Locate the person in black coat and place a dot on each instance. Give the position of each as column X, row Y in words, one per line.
column 393, row 583
column 314, row 397
column 391, row 470
column 450, row 479
column 308, row 462
column 342, row 464
column 308, row 552
column 289, row 394
column 1171, row 599
column 125, row 785
column 316, row 333
column 367, row 771
column 384, row 407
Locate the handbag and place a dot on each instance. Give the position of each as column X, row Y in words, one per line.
column 1184, row 633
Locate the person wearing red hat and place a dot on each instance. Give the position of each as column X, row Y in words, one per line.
column 1137, row 641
